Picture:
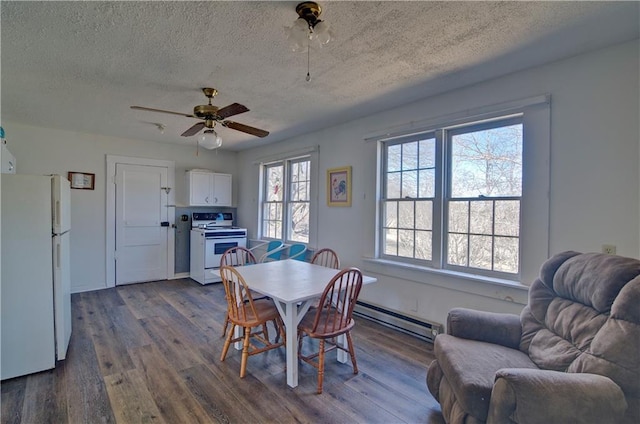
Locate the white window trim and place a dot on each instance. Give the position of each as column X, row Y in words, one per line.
column 534, row 231
column 507, row 290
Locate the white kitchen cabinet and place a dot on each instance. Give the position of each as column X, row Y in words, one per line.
column 208, row 189
column 222, row 189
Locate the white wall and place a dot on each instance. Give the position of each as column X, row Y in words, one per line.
column 49, row 151
column 594, row 194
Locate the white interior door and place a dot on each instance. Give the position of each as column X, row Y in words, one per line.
column 141, row 210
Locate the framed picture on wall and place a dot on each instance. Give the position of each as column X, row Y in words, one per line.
column 339, row 186
column 82, row 180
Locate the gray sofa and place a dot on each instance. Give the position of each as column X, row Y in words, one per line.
column 572, row 356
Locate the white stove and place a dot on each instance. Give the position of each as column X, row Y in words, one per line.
column 211, row 235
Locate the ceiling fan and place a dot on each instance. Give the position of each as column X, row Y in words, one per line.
column 212, row 115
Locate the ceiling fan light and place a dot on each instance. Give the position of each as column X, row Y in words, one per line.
column 210, row 140
column 308, row 30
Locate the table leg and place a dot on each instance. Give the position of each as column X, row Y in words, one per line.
column 289, row 314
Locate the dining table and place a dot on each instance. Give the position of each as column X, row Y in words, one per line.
column 294, row 286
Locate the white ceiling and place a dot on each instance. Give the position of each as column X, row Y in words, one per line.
column 80, row 65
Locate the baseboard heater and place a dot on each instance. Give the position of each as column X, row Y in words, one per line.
column 423, row 329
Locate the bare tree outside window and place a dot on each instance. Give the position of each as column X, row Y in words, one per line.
column 408, row 205
column 477, row 215
column 286, row 200
column 272, row 206
column 484, row 201
column 299, row 203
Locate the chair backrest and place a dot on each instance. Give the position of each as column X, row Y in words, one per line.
column 583, row 316
column 334, row 314
column 240, row 306
column 237, row 256
column 327, row 258
column 297, row 251
column 274, row 251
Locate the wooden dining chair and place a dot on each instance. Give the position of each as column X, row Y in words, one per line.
column 326, row 257
column 250, row 315
column 333, row 317
column 236, row 256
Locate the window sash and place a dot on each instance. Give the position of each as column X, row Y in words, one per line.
column 303, row 201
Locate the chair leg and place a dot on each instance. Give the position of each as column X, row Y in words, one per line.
column 300, row 336
column 281, row 331
column 227, row 343
column 245, row 351
column 352, row 352
column 320, row 366
column 226, row 324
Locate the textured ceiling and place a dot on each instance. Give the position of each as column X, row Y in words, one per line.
column 80, row 65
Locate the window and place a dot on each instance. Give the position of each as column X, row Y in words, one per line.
column 409, row 201
column 451, row 198
column 286, row 200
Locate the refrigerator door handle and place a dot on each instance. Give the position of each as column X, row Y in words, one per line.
column 57, row 212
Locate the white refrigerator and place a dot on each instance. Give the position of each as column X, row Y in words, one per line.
column 35, row 286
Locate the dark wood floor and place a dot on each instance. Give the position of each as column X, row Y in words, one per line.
column 151, row 353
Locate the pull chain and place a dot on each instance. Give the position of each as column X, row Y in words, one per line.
column 308, row 74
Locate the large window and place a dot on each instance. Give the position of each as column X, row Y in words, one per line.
column 451, row 198
column 286, row 200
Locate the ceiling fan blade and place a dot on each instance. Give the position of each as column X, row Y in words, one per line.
column 232, row 109
column 193, row 130
column 245, row 128
column 162, row 111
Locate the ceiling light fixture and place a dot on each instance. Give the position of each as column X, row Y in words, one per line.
column 308, row 30
column 210, row 140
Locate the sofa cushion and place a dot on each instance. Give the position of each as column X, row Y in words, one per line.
column 470, row 366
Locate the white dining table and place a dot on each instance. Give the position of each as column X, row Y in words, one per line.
column 293, row 285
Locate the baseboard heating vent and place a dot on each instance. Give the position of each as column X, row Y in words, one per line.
column 423, row 329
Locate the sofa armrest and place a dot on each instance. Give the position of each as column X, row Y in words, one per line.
column 529, row 396
column 490, row 327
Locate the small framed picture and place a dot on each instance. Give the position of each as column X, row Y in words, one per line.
column 339, row 186
column 82, row 180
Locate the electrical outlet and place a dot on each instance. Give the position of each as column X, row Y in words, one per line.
column 609, row 249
